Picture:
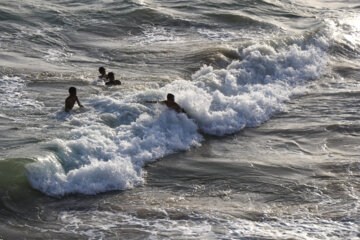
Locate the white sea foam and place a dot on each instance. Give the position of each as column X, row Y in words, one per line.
column 54, row 55
column 99, row 224
column 346, row 30
column 156, row 34
column 99, row 82
column 111, row 143
column 249, row 91
column 14, row 96
column 108, row 153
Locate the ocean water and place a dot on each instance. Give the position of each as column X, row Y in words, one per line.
column 268, row 149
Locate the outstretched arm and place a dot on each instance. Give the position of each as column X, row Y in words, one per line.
column 78, row 102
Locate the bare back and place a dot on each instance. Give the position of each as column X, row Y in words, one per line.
column 70, row 102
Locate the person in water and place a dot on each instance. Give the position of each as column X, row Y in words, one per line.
column 112, row 80
column 170, row 103
column 71, row 99
column 103, row 75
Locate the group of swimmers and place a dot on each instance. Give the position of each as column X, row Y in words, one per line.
column 110, row 76
column 72, row 98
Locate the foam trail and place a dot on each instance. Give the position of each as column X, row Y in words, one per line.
column 110, row 145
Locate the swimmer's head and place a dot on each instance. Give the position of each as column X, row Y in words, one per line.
column 111, row 76
column 72, row 91
column 170, row 97
column 102, row 70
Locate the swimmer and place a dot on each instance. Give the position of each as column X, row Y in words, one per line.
column 170, row 103
column 112, row 80
column 103, row 75
column 71, row 99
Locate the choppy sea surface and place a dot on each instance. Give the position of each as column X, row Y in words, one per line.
column 269, row 147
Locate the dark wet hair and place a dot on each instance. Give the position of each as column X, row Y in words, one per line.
column 111, row 75
column 101, row 70
column 72, row 90
column 170, row 97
